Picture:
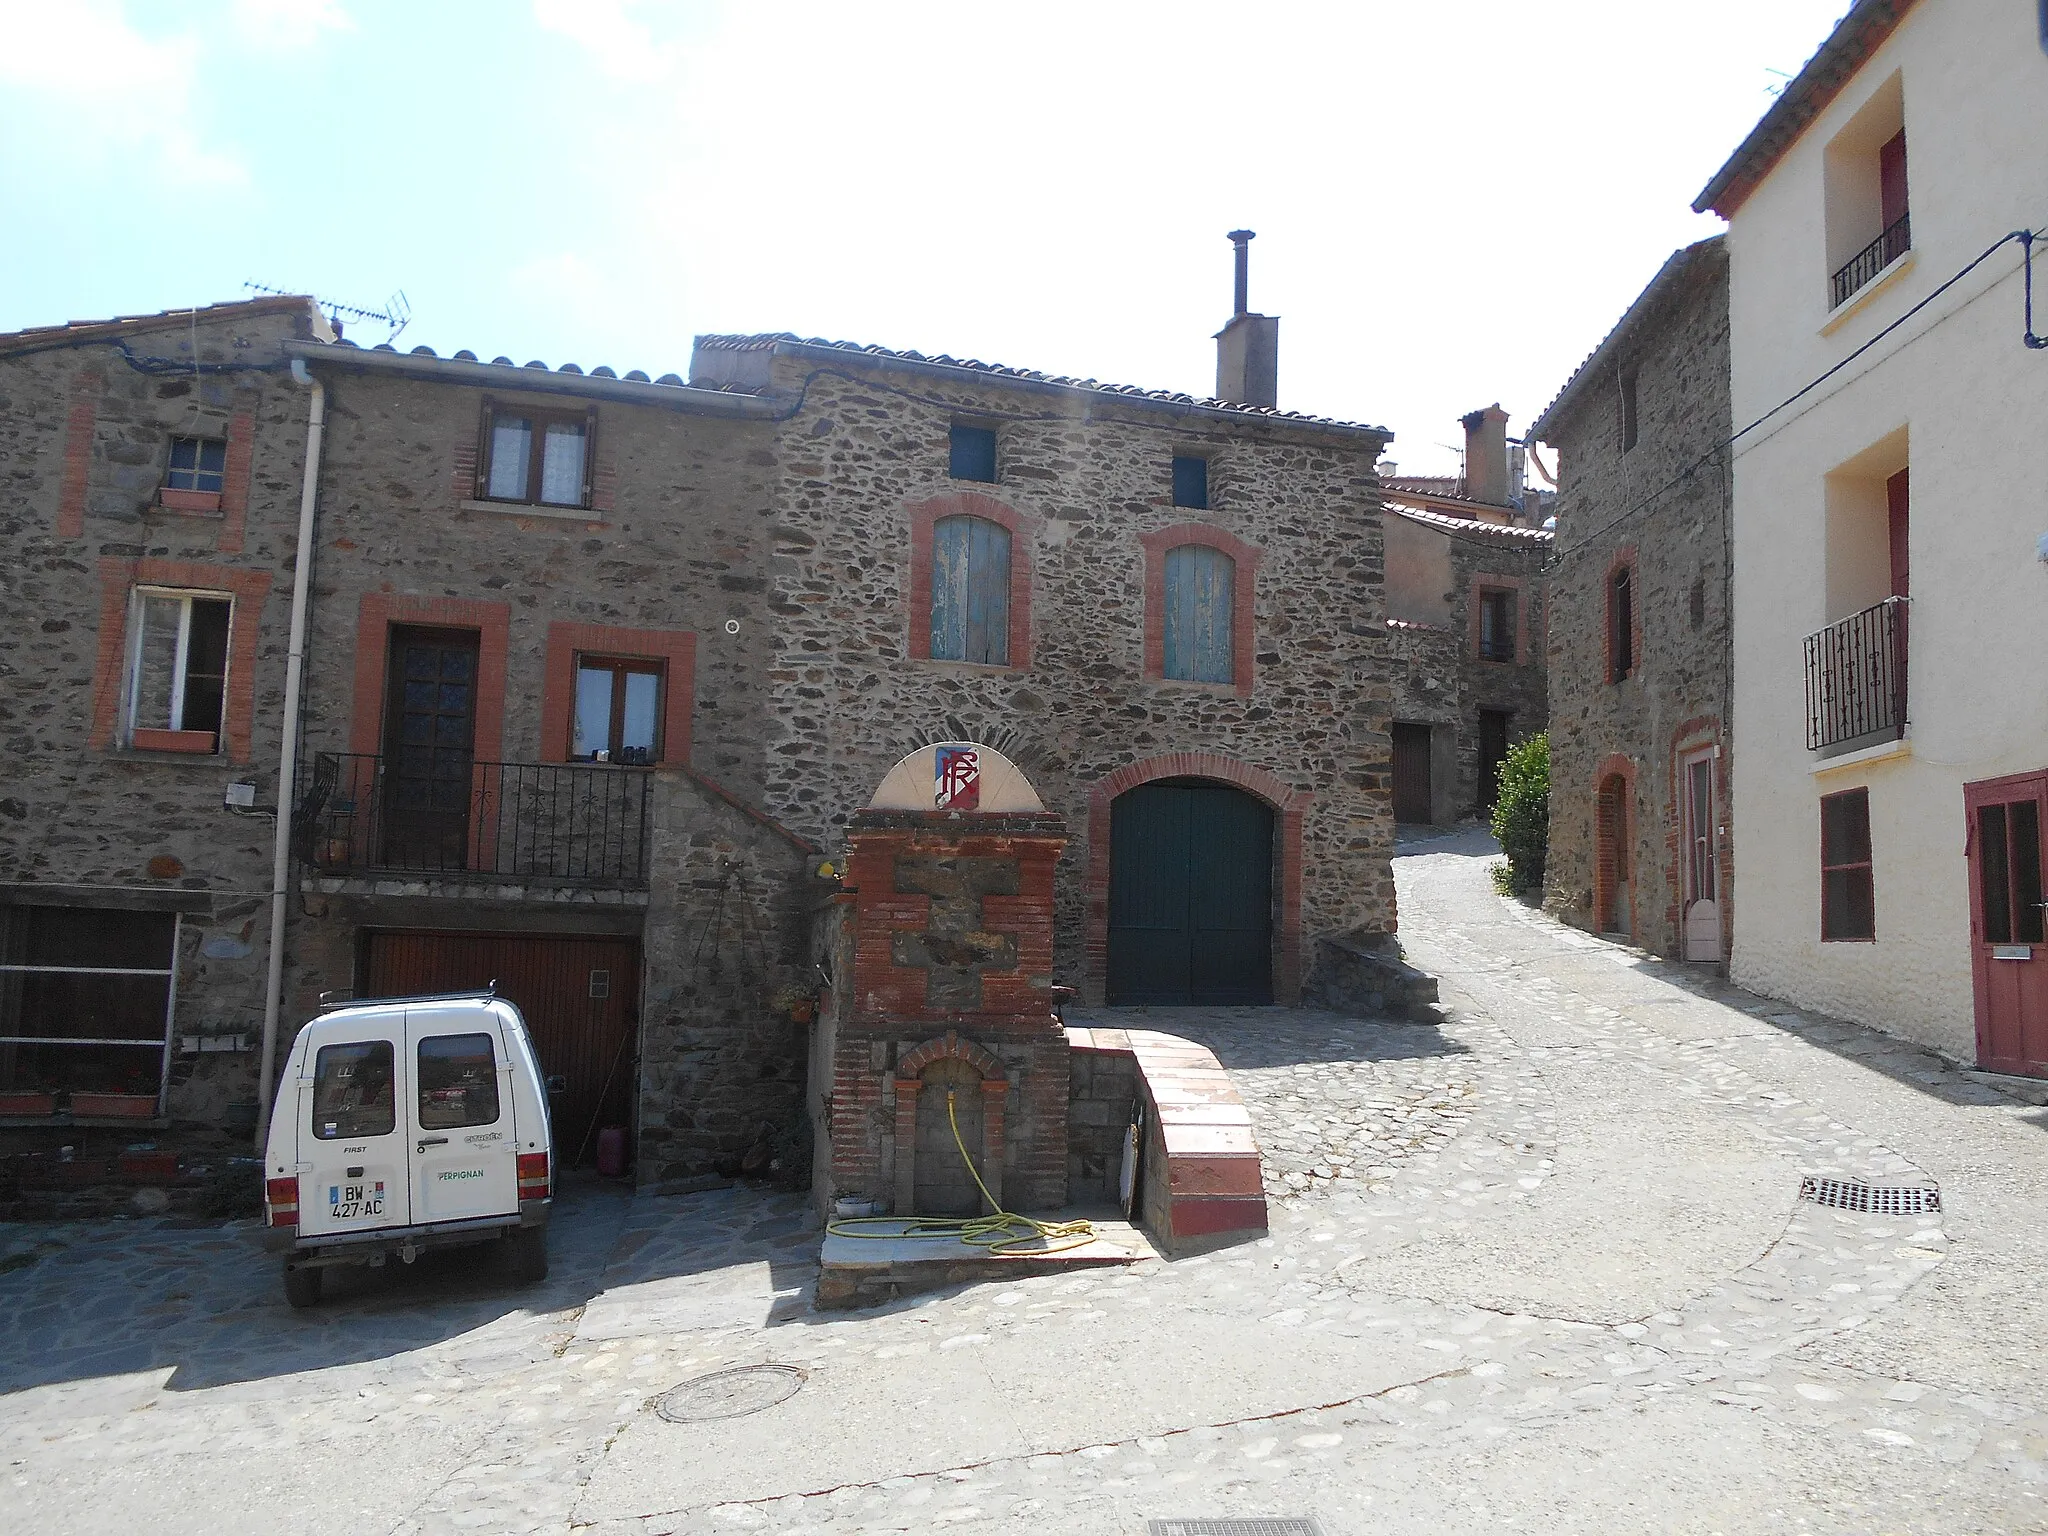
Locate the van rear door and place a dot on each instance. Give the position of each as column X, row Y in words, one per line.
column 464, row 1143
column 352, row 1136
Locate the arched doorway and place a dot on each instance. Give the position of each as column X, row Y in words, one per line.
column 1190, row 895
column 1612, row 908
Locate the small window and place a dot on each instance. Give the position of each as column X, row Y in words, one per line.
column 2009, row 871
column 458, row 1082
column 1496, row 624
column 970, row 591
column 1628, row 410
column 1191, row 482
column 540, row 457
column 618, row 711
column 197, row 464
column 1621, row 625
column 353, row 1094
column 178, row 665
column 1200, row 608
column 1848, row 904
column 973, row 454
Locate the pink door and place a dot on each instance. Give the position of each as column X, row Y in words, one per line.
column 2008, row 950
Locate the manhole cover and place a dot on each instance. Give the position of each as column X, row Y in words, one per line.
column 730, row 1394
column 1877, row 1199
column 1235, row 1528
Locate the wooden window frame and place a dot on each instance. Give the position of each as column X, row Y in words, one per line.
column 173, row 735
column 541, row 418
column 1506, row 647
column 196, row 496
column 1244, row 602
column 118, row 579
column 569, row 642
column 1866, row 864
column 924, row 518
column 620, row 667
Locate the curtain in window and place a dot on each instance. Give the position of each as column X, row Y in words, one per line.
column 511, row 455
column 561, row 465
column 970, row 591
column 593, row 711
column 1200, row 594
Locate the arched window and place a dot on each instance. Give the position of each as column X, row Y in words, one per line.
column 970, row 591
column 1621, row 623
column 1201, row 604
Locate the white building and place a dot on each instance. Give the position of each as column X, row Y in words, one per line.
column 1890, row 602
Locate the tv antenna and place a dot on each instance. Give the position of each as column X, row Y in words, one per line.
column 396, row 313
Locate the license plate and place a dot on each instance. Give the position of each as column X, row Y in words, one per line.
column 349, row 1202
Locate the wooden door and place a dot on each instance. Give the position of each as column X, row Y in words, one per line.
column 1699, row 818
column 2008, row 950
column 579, row 997
column 429, row 748
column 1493, row 751
column 1411, row 773
column 941, row 1184
column 1190, row 895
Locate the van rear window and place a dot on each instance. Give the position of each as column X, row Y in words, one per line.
column 458, row 1082
column 352, row 1090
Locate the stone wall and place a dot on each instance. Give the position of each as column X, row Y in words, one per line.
column 1663, row 507
column 85, row 820
column 1085, row 476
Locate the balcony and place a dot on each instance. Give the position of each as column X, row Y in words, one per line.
column 1871, row 260
column 1856, row 677
column 437, row 813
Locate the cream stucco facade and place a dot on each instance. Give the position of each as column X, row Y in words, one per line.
column 1954, row 397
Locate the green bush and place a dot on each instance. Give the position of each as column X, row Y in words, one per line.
column 1521, row 812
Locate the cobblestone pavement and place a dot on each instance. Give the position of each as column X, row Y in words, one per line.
column 1544, row 1268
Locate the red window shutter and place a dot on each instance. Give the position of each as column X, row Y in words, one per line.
column 1891, row 179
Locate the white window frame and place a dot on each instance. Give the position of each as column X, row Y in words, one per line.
column 131, row 694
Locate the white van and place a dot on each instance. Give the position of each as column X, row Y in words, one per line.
column 404, row 1124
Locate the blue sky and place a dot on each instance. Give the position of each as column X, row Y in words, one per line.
column 1453, row 202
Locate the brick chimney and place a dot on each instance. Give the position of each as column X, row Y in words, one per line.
column 1248, row 348
column 1486, row 455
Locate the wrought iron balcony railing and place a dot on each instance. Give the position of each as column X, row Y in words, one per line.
column 1856, row 676
column 433, row 810
column 1871, row 260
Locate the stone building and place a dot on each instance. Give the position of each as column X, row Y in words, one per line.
column 1466, row 613
column 1639, row 640
column 148, row 508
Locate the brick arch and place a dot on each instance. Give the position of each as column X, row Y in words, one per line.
column 910, row 1066
column 1290, row 806
column 1612, row 865
column 1243, row 597
column 918, row 594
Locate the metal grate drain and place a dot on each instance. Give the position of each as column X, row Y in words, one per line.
column 730, row 1394
column 1299, row 1527
column 1877, row 1199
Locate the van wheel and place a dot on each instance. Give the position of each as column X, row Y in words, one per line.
column 526, row 1250
column 301, row 1286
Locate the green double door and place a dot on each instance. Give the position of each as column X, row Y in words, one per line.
column 1190, row 895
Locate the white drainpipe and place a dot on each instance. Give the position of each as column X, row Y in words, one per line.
column 288, row 757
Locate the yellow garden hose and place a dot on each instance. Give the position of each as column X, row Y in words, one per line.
column 1000, row 1232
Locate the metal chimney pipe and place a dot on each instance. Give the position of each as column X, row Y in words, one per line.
column 1242, row 238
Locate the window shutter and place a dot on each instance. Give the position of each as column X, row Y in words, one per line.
column 589, row 453
column 1200, row 609
column 480, row 475
column 950, row 550
column 988, row 592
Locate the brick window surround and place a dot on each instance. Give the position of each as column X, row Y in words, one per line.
column 377, row 614
column 1512, row 585
column 118, row 580
column 1623, row 558
column 677, row 648
column 918, row 615
column 1614, row 865
column 1290, row 807
column 1243, row 599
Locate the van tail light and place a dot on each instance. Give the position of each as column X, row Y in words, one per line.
column 534, row 1183
column 282, row 1196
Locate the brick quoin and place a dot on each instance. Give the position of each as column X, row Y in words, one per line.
column 118, row 579
column 234, row 491
column 567, row 641
column 1243, row 598
column 378, row 612
column 78, row 430
column 1290, row 806
column 923, row 515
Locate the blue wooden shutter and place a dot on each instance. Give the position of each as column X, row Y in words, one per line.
column 1200, row 593
column 970, row 591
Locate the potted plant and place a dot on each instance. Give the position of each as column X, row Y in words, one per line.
column 112, row 1106
column 27, row 1101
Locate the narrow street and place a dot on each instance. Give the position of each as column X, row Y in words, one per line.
column 1545, row 1268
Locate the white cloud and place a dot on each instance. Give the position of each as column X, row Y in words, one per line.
column 287, row 25
column 619, row 43
column 102, row 87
